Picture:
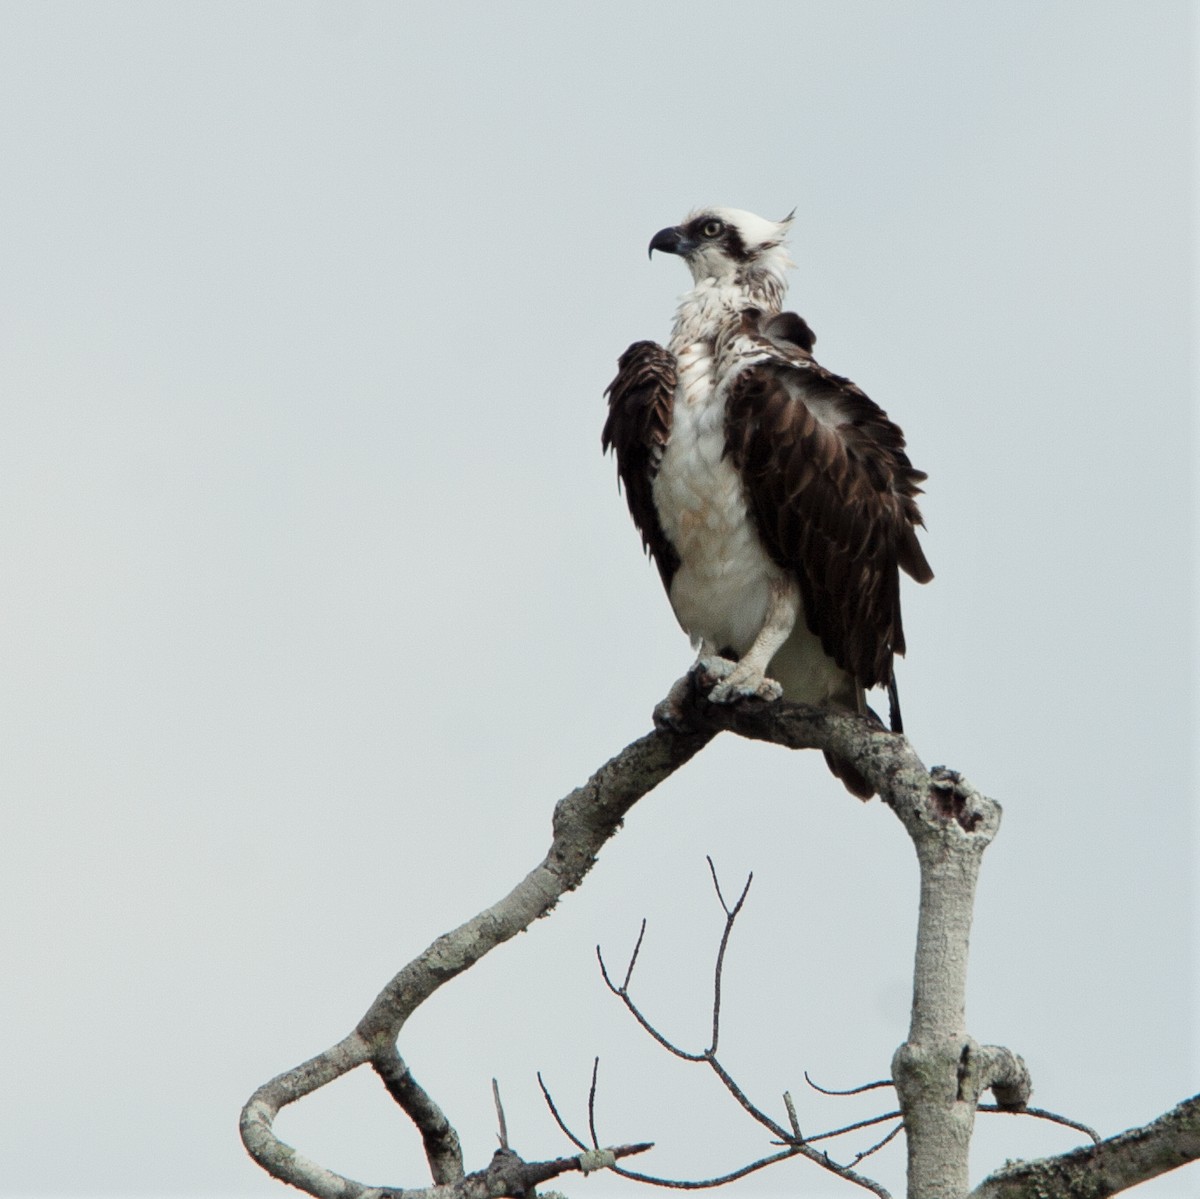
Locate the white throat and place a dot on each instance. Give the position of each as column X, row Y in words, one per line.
column 713, row 304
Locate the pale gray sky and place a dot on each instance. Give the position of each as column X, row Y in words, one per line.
column 317, row 593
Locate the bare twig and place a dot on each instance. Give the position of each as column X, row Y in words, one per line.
column 795, row 1143
column 792, row 1118
column 562, row 1124
column 738, row 1094
column 731, row 914
column 633, row 957
column 635, row 1012
column 500, row 1120
column 701, row 1184
column 592, row 1103
column 878, row 1144
column 840, row 1132
column 867, row 1086
column 720, row 896
column 1042, row 1114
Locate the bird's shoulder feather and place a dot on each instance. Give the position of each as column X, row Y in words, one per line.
column 638, row 427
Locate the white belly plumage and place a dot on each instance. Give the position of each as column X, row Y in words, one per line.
column 721, row 590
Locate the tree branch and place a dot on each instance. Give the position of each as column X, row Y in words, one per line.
column 947, row 820
column 442, row 1148
column 940, row 1071
column 583, row 822
column 508, row 1174
column 1039, row 1113
column 1114, row 1165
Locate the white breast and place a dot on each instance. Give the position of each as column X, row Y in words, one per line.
column 720, row 591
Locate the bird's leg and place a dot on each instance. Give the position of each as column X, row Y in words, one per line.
column 748, row 676
column 668, row 713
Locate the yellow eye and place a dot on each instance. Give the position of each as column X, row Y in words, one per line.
column 712, row 229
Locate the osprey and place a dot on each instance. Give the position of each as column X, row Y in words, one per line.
column 775, row 498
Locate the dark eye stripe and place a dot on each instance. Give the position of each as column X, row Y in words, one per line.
column 713, row 229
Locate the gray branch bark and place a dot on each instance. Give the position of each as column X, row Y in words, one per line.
column 939, row 1072
column 1112, row 1166
column 583, row 822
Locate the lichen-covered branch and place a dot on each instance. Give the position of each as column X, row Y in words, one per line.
column 939, row 1073
column 583, row 822
column 1112, row 1166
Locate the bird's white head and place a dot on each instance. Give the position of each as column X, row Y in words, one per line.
column 728, row 245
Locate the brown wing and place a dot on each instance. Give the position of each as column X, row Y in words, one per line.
column 640, row 400
column 833, row 495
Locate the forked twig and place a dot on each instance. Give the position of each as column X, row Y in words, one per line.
column 623, row 995
column 731, row 914
column 793, row 1142
column 740, row 1095
column 792, row 1150
column 737, row 907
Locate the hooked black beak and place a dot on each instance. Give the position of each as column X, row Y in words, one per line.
column 672, row 241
